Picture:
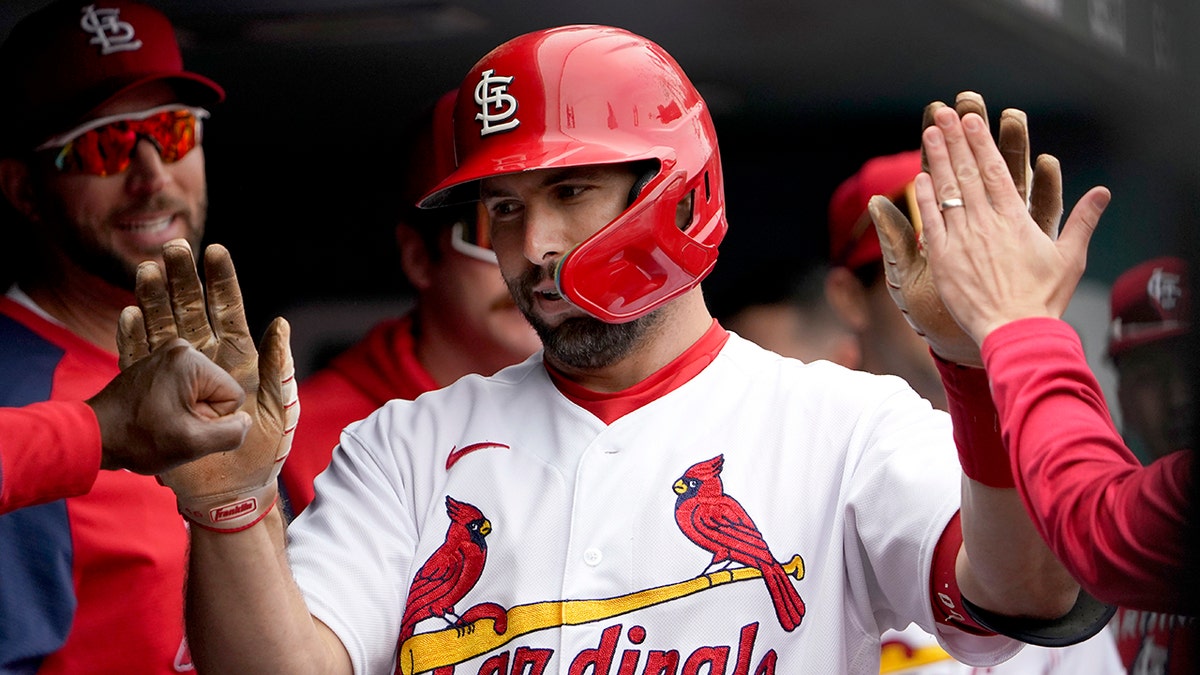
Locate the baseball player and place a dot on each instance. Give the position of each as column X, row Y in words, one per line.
column 1119, row 527
column 855, row 286
column 102, row 162
column 165, row 410
column 646, row 494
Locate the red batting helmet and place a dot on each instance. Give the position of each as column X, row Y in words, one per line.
column 584, row 95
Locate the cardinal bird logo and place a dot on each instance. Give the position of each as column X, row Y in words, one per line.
column 716, row 522
column 451, row 571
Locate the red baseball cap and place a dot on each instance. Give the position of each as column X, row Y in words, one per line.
column 431, row 153
column 1149, row 302
column 62, row 62
column 852, row 239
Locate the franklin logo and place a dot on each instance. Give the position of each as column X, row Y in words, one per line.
column 1165, row 288
column 112, row 34
column 497, row 105
column 231, row 511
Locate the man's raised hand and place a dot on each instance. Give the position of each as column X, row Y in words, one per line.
column 906, row 265
column 227, row 491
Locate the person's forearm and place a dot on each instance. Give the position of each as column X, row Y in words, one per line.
column 1004, row 566
column 48, row 451
column 1118, row 526
column 244, row 611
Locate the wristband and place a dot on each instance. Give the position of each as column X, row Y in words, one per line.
column 981, row 450
column 229, row 513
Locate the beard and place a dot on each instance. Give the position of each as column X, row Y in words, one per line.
column 80, row 245
column 97, row 261
column 581, row 342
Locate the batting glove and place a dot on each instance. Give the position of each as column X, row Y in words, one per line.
column 909, row 280
column 228, row 491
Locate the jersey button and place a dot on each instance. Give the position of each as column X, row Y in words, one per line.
column 593, row 556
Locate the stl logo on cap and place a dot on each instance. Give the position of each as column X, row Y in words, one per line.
column 491, row 94
column 112, row 34
column 1164, row 288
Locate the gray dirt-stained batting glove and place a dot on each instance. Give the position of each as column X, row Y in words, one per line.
column 909, row 280
column 227, row 491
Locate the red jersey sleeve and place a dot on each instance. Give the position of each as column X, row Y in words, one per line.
column 1117, row 526
column 48, row 451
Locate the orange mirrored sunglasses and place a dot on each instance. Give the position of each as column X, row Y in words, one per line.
column 105, row 146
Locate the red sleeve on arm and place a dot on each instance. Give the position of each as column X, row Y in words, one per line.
column 1116, row 526
column 977, row 436
column 48, row 451
column 943, row 582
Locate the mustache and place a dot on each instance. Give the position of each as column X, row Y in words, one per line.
column 533, row 276
column 521, row 287
column 155, row 203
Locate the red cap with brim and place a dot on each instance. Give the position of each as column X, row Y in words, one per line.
column 852, row 239
column 1149, row 303
column 66, row 60
column 430, row 155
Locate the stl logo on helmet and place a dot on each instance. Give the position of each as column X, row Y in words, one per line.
column 112, row 34
column 498, row 107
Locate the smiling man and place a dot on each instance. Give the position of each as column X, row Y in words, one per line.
column 101, row 162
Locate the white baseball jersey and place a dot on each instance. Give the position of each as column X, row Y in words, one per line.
column 847, row 478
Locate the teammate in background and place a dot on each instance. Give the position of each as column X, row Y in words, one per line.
column 463, row 321
column 1121, row 528
column 783, row 308
column 552, row 515
column 856, row 287
column 1150, row 345
column 100, row 158
column 168, row 409
column 1150, row 313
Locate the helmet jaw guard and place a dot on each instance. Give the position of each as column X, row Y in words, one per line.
column 643, row 259
column 585, row 95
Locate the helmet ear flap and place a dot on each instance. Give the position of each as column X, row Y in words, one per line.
column 646, row 172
